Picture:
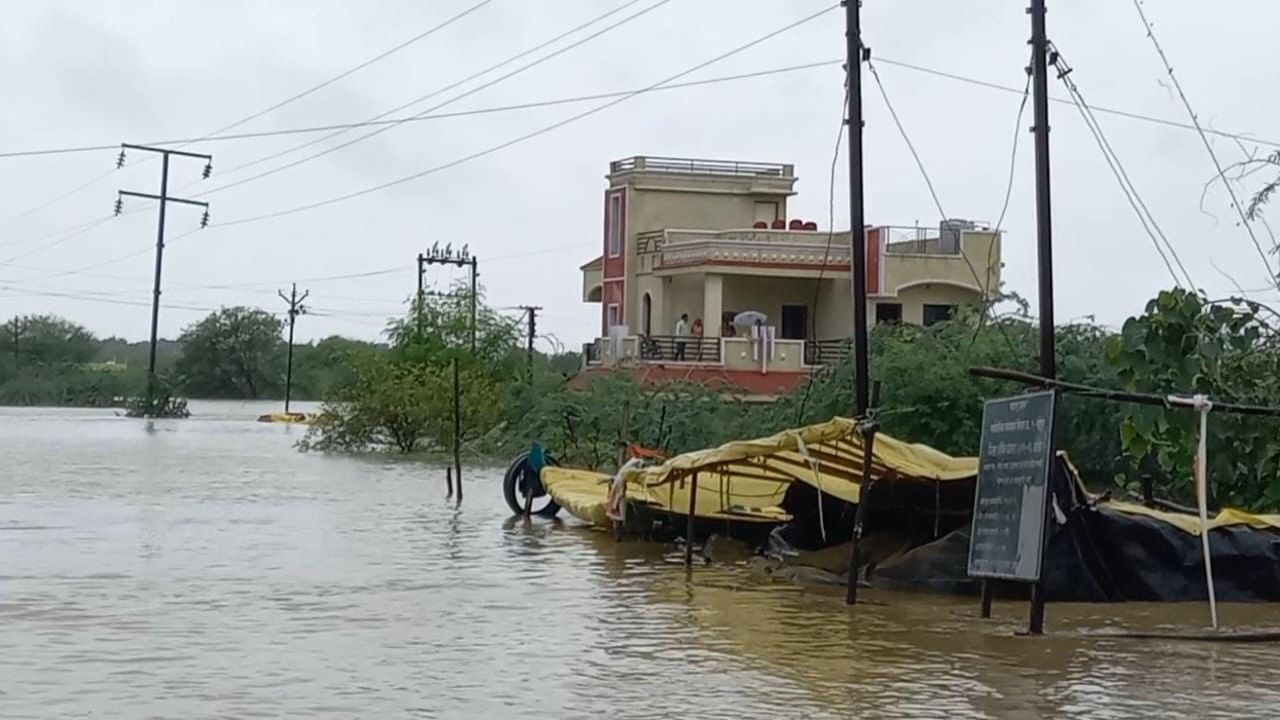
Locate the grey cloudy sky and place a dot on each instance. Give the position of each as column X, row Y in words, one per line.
column 89, row 73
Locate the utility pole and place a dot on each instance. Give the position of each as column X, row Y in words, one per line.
column 17, row 327
column 854, row 54
column 164, row 199
column 1044, row 243
column 531, row 313
column 464, row 259
column 296, row 308
column 457, row 258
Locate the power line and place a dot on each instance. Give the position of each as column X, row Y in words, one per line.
column 1145, row 217
column 272, row 108
column 1195, row 121
column 491, row 110
column 346, row 73
column 984, row 284
column 601, row 96
column 84, row 229
column 1066, row 101
column 450, row 101
column 530, row 135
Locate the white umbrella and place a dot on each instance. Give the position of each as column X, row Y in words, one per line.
column 750, row 317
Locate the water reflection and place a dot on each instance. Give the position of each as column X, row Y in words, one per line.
column 209, row 569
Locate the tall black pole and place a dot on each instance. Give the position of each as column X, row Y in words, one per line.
column 421, row 262
column 857, row 230
column 155, row 291
column 1044, row 238
column 457, row 427
column 1044, row 219
column 474, row 304
column 295, row 309
column 164, row 200
column 288, row 373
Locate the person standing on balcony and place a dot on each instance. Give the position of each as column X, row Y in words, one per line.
column 682, row 333
column 696, row 331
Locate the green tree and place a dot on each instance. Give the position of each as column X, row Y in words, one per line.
column 46, row 340
column 403, row 398
column 234, row 352
column 1184, row 345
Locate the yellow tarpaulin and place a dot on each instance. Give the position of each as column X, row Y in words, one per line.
column 1227, row 517
column 746, row 480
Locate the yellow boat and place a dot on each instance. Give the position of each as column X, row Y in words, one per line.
column 292, row 418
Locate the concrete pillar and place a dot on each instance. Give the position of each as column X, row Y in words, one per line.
column 712, row 304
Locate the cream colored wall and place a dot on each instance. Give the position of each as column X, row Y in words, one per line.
column 683, row 295
column 590, row 279
column 900, row 269
column 649, row 210
column 657, row 292
column 914, row 299
column 787, row 357
column 835, row 310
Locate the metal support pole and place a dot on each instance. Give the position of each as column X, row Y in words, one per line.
column 1044, row 244
column 1044, row 219
column 163, row 199
column 868, row 430
column 474, row 304
column 693, row 504
column 457, row 428
column 295, row 309
column 155, row 291
column 288, row 373
column 857, row 229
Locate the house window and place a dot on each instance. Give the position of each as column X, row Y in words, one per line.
column 613, row 315
column 937, row 313
column 613, row 225
column 887, row 312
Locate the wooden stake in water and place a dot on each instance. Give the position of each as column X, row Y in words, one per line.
column 1202, row 501
column 688, row 535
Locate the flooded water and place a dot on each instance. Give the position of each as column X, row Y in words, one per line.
column 205, row 568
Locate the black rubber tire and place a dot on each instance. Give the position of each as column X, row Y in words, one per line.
column 511, row 493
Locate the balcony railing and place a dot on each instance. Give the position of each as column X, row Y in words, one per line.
column 686, row 348
column 791, row 247
column 691, row 166
column 827, row 352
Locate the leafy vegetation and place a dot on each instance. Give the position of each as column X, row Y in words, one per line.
column 399, row 396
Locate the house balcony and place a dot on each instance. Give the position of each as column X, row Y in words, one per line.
column 965, row 256
column 737, row 354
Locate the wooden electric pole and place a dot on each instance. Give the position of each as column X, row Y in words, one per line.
column 296, row 308
column 857, row 224
column 531, row 315
column 164, row 199
column 1044, row 243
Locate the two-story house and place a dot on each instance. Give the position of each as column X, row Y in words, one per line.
column 712, row 240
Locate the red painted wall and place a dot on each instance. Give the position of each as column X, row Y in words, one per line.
column 614, row 271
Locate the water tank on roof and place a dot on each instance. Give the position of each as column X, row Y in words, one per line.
column 761, row 225
column 949, row 233
column 796, row 225
column 810, row 225
column 779, row 224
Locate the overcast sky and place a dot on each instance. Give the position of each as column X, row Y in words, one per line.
column 97, row 73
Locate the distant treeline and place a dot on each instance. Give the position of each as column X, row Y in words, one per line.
column 233, row 353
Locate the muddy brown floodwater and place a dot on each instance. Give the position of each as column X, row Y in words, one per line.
column 205, row 568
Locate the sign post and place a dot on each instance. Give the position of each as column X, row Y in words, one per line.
column 1011, row 499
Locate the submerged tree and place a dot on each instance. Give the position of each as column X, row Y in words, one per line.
column 234, row 352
